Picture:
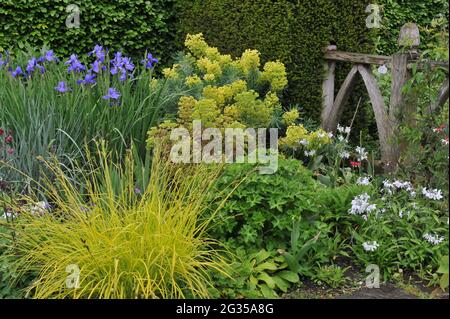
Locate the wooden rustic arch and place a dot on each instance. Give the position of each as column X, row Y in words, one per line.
column 334, row 107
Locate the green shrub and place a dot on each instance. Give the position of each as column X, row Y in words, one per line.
column 294, row 32
column 260, row 212
column 131, row 25
column 396, row 13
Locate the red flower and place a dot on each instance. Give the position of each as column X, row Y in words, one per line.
column 2, row 132
column 439, row 129
column 355, row 164
column 9, row 139
column 10, row 151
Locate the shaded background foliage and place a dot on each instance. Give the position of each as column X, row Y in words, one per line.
column 395, row 13
column 134, row 26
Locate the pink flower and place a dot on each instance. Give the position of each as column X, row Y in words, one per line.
column 10, row 151
column 9, row 139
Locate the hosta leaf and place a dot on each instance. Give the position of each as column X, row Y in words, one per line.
column 289, row 276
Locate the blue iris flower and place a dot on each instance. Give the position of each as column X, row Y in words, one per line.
column 149, row 61
column 62, row 87
column 18, row 71
column 74, row 64
column 113, row 94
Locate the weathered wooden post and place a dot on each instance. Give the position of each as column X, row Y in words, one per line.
column 400, row 111
column 328, row 89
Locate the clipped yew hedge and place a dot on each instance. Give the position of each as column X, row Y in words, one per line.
column 133, row 25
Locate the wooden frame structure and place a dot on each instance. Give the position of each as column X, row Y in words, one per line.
column 387, row 117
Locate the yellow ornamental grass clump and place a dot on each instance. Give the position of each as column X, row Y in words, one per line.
column 111, row 242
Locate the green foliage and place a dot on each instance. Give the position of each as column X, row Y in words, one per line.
column 293, row 32
column 396, row 13
column 134, row 26
column 256, row 275
column 261, row 210
column 332, row 275
column 443, row 270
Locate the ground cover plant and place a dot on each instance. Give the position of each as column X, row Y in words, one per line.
column 92, row 204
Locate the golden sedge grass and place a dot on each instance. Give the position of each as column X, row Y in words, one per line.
column 152, row 245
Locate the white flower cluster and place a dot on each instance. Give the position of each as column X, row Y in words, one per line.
column 434, row 194
column 370, row 245
column 343, row 130
column 364, row 181
column 398, row 185
column 433, row 239
column 344, row 154
column 310, row 153
column 361, row 205
column 361, row 153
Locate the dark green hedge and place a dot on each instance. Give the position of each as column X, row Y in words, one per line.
column 395, row 13
column 133, row 25
column 292, row 31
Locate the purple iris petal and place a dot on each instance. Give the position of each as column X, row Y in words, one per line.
column 50, row 56
column 32, row 63
column 123, row 76
column 113, row 94
column 62, row 87
column 127, row 64
column 2, row 62
column 96, row 66
column 99, row 53
column 74, row 64
column 17, row 71
column 149, row 61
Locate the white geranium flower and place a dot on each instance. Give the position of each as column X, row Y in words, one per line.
column 434, row 194
column 330, row 135
column 383, row 70
column 363, row 181
column 370, row 245
column 433, row 238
